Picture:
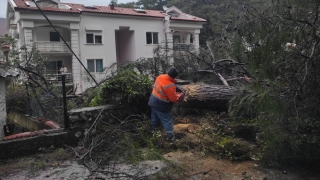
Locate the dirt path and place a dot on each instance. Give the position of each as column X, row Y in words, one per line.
column 206, row 168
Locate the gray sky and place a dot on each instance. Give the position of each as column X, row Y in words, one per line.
column 3, row 4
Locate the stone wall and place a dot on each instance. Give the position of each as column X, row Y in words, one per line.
column 80, row 120
column 31, row 145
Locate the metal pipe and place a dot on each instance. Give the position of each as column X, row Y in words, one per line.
column 24, row 135
column 65, row 110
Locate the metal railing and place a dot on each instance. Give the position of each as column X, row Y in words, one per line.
column 182, row 47
column 55, row 78
column 47, row 46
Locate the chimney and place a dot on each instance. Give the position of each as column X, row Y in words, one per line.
column 111, row 6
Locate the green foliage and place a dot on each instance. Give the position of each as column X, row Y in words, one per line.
column 219, row 14
column 16, row 98
column 6, row 40
column 284, row 96
column 114, row 2
column 232, row 149
column 31, row 92
column 214, row 141
column 126, row 86
column 94, row 97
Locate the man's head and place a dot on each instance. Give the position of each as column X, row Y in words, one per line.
column 173, row 73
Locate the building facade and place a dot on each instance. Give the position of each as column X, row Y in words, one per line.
column 98, row 35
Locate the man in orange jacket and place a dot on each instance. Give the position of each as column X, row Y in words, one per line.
column 164, row 94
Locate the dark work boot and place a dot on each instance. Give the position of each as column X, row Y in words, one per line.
column 171, row 139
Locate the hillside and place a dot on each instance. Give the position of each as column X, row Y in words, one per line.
column 3, row 29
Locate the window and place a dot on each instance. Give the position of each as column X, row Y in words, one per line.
column 90, row 38
column 95, row 65
column 94, row 37
column 152, row 38
column 54, row 36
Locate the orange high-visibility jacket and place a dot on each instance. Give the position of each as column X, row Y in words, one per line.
column 165, row 89
column 163, row 93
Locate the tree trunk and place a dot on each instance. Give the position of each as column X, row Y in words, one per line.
column 210, row 97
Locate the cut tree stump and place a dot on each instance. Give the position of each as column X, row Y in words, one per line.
column 210, row 97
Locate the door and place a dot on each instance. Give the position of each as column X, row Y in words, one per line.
column 53, row 67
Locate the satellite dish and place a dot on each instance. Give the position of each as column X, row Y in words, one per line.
column 164, row 8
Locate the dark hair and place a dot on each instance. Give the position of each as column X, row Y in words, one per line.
column 173, row 73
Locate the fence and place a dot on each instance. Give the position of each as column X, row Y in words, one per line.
column 183, row 47
column 31, row 109
column 57, row 78
column 22, row 145
column 52, row 46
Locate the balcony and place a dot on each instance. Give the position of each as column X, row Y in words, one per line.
column 56, row 78
column 182, row 47
column 52, row 47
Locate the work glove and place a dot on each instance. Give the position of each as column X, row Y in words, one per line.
column 180, row 96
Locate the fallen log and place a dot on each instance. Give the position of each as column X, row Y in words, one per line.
column 210, row 97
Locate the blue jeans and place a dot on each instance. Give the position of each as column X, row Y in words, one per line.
column 158, row 117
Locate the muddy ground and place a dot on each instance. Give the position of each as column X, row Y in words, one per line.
column 184, row 160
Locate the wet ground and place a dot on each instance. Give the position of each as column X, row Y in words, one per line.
column 180, row 164
column 191, row 165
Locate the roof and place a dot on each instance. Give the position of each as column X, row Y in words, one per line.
column 8, row 72
column 80, row 8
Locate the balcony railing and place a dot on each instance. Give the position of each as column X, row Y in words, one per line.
column 55, row 78
column 45, row 46
column 182, row 47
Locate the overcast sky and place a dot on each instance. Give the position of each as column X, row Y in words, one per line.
column 3, row 4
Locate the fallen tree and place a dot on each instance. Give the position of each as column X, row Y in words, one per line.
column 210, row 97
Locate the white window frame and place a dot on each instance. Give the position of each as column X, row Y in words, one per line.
column 94, row 33
column 95, row 64
column 152, row 43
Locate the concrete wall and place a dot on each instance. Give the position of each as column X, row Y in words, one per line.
column 109, row 25
column 31, row 145
column 3, row 112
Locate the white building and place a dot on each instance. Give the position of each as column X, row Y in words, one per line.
column 98, row 35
